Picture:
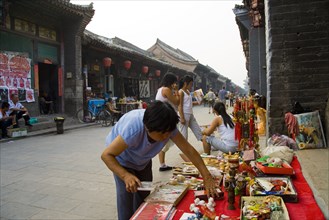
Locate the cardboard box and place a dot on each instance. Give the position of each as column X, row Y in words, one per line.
column 17, row 132
column 259, row 200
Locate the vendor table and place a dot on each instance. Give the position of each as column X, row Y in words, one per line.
column 305, row 209
column 126, row 107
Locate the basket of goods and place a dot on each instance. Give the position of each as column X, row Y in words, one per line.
column 268, row 207
column 274, row 165
column 278, row 186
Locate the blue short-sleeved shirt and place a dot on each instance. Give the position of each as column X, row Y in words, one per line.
column 140, row 151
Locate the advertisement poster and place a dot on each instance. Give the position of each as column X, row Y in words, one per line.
column 310, row 131
column 15, row 75
column 30, row 95
column 4, row 93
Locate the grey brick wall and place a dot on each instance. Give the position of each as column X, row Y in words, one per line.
column 297, row 48
column 73, row 95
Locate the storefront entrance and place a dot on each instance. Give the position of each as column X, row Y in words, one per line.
column 48, row 83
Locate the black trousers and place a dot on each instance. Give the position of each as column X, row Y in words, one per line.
column 19, row 115
column 4, row 125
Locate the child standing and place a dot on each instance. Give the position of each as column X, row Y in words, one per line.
column 187, row 119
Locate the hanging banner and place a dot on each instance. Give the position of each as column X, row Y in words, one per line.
column 144, row 89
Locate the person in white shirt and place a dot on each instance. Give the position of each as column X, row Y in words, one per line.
column 168, row 92
column 5, row 120
column 17, row 109
column 224, row 124
column 187, row 119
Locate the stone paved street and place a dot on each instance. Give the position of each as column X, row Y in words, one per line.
column 55, row 176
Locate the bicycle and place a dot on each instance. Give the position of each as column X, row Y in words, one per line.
column 95, row 113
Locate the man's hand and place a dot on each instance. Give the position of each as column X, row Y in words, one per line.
column 210, row 187
column 132, row 183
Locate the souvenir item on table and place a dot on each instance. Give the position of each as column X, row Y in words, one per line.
column 249, row 155
column 278, row 186
column 282, row 140
column 230, row 190
column 187, row 170
column 191, row 182
column 282, row 152
column 202, row 194
column 241, row 183
column 202, row 209
column 148, row 186
column 244, row 117
column 216, row 173
column 159, row 211
column 310, row 131
column 223, row 166
column 274, row 166
column 167, row 193
column 211, row 161
column 268, row 207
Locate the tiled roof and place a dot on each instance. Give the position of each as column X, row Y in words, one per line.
column 177, row 53
column 67, row 5
column 126, row 44
column 120, row 45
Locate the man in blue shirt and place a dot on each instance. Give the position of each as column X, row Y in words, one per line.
column 222, row 95
column 132, row 143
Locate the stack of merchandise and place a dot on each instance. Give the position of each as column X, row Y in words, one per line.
column 160, row 204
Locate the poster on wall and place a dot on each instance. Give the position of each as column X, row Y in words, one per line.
column 4, row 93
column 2, row 81
column 29, row 95
column 144, row 89
column 15, row 72
column 12, row 91
column 21, row 95
column 310, row 131
column 8, row 82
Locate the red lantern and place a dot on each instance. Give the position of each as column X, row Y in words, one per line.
column 107, row 62
column 158, row 73
column 145, row 69
column 127, row 64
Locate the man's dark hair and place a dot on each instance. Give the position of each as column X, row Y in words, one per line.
column 5, row 105
column 168, row 79
column 160, row 117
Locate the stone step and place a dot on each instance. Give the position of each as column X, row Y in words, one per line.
column 46, row 122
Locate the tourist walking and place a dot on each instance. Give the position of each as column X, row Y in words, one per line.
column 187, row 119
column 168, row 92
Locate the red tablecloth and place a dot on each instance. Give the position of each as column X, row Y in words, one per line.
column 305, row 209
